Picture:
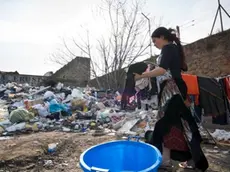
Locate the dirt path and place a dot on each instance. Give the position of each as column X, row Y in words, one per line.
column 28, row 153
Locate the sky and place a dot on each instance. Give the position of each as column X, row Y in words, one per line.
column 32, row 30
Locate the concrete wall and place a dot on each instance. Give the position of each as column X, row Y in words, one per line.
column 109, row 81
column 206, row 57
column 76, row 72
column 30, row 79
column 34, row 80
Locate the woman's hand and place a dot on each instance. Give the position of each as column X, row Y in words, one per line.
column 137, row 76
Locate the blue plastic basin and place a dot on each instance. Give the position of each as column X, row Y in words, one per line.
column 121, row 156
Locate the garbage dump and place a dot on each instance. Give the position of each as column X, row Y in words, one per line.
column 25, row 109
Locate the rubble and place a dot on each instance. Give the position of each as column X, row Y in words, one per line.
column 222, row 136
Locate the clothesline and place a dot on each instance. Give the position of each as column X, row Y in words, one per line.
column 223, row 77
column 217, row 78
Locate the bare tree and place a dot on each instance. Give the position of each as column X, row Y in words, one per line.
column 127, row 41
column 64, row 55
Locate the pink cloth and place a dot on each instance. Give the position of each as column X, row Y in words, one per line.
column 139, row 84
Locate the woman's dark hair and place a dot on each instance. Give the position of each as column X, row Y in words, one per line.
column 170, row 35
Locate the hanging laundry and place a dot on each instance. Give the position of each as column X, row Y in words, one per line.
column 192, row 85
column 220, row 119
column 223, row 118
column 227, row 85
column 211, row 96
column 225, row 94
column 195, row 109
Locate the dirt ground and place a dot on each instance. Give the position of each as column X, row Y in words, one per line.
column 26, row 153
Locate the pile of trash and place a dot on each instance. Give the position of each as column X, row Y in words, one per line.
column 221, row 135
column 24, row 109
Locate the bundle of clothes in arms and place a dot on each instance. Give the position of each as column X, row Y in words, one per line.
column 176, row 128
column 143, row 91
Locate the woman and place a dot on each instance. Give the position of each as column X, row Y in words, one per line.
column 175, row 129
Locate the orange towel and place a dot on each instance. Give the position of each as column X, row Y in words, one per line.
column 192, row 85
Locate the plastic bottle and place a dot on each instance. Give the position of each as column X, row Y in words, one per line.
column 52, row 147
column 95, row 94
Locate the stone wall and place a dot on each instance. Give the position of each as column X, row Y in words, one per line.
column 76, row 72
column 209, row 56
